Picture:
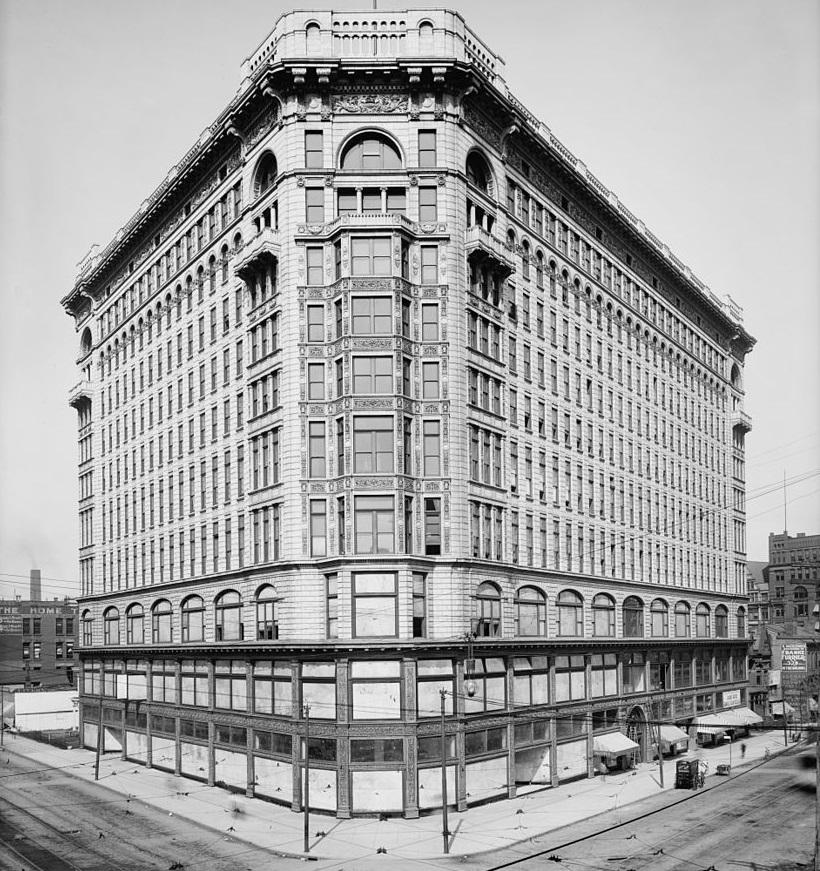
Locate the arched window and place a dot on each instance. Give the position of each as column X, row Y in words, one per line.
column 88, row 629
column 633, row 617
column 682, row 620
column 603, row 615
column 265, row 175
column 135, row 625
column 313, row 41
column 525, row 261
column 702, row 615
column 539, row 268
column 267, row 629
column 721, row 622
column 161, row 622
column 659, row 614
column 425, row 37
column 370, row 151
column 487, row 610
column 111, row 626
column 741, row 622
column 229, row 626
column 85, row 342
column 570, row 613
column 192, row 613
column 530, row 612
column 478, row 173
column 223, row 261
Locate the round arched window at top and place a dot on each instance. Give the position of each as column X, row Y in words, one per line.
column 313, row 38
column 370, row 151
column 478, row 172
column 85, row 342
column 265, row 175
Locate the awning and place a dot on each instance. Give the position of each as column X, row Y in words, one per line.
column 740, row 717
column 613, row 743
column 777, row 708
column 673, row 735
column 710, row 724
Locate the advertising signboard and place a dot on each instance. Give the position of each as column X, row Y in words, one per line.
column 793, row 656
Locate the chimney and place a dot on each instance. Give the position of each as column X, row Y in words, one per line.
column 36, row 590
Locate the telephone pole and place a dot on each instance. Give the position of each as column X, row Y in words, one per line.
column 445, row 833
column 306, row 795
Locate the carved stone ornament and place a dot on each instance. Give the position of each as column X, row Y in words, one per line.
column 375, row 104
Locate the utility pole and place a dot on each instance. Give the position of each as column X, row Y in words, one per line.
column 658, row 745
column 306, row 796
column 99, row 738
column 445, row 834
column 2, row 715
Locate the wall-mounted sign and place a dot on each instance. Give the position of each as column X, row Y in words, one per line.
column 11, row 623
column 793, row 656
column 731, row 698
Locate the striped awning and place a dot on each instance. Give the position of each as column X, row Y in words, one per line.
column 740, row 717
column 710, row 724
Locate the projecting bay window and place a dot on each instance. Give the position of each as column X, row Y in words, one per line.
column 375, row 605
column 374, row 524
column 372, row 315
column 372, row 375
column 372, row 445
column 317, row 465
column 370, row 256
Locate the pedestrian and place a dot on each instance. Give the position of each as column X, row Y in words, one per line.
column 742, row 751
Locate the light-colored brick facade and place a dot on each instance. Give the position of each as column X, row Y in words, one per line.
column 384, row 362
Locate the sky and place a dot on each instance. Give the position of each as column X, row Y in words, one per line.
column 703, row 116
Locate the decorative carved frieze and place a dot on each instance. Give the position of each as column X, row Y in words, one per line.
column 369, row 104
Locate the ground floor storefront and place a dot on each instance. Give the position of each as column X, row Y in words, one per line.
column 374, row 724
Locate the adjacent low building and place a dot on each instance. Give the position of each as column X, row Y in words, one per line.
column 388, row 407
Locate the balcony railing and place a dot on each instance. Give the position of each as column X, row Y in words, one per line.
column 741, row 419
column 81, row 390
column 484, row 246
column 265, row 245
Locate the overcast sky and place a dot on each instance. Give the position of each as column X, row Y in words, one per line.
column 701, row 115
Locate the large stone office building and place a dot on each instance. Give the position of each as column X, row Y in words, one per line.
column 383, row 393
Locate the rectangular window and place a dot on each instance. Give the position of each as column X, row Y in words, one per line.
column 316, row 381
column 432, row 526
column 332, row 599
column 432, row 448
column 427, row 148
column 428, row 208
column 318, row 527
column 374, row 524
column 315, row 323
column 314, row 256
column 315, row 205
column 375, row 603
column 429, row 264
column 429, row 322
column 372, row 375
column 370, row 256
column 419, row 605
column 372, row 445
column 314, row 149
column 316, row 438
column 430, row 380
column 372, row 315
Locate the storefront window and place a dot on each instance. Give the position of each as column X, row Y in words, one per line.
column 531, row 680
column 434, row 675
column 570, row 678
column 375, row 690
column 272, row 682
column 490, row 679
column 604, row 674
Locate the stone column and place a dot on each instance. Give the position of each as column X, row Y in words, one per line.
column 411, row 789
column 342, row 743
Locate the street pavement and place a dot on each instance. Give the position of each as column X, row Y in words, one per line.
column 486, row 828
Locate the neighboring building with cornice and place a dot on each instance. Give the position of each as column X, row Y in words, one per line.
column 384, row 395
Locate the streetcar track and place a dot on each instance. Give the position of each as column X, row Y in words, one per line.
column 695, row 794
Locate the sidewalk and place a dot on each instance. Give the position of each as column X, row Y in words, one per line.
column 478, row 830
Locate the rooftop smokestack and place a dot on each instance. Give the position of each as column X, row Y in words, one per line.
column 36, row 590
